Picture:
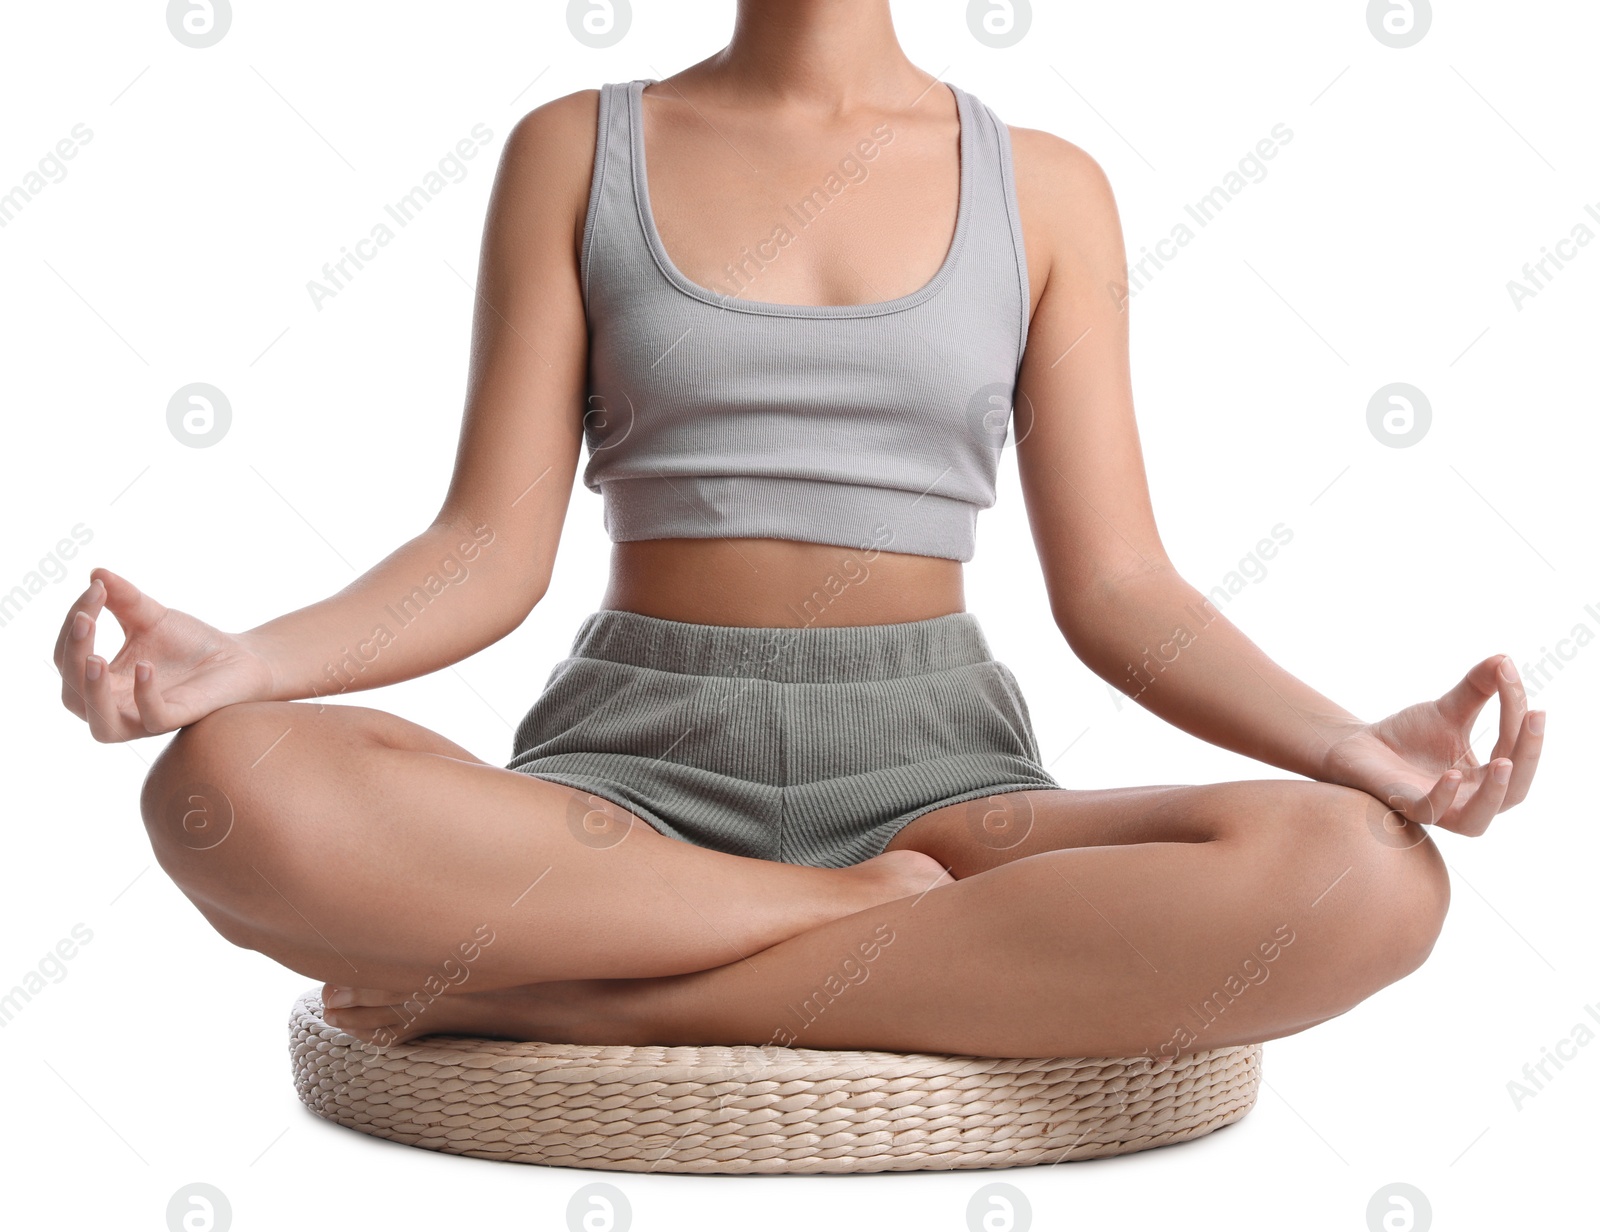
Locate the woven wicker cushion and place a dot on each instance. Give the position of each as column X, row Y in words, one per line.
column 749, row 1109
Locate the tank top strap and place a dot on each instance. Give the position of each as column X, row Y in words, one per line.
column 994, row 256
column 612, row 234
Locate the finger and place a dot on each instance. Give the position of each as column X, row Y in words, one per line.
column 1424, row 806
column 1462, row 703
column 104, row 723
column 155, row 714
column 131, row 606
column 1513, row 707
column 80, row 645
column 90, row 602
column 1490, row 791
column 1439, row 799
column 1525, row 758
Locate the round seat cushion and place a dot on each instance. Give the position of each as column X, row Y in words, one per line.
column 750, row 1109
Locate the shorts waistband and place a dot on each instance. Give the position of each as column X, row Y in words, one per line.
column 797, row 655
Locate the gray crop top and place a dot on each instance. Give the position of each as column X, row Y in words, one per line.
column 861, row 425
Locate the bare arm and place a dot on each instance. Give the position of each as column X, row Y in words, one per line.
column 471, row 576
column 435, row 600
column 475, row 573
column 1116, row 596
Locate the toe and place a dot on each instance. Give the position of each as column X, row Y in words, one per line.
column 336, row 995
column 373, row 1024
column 340, row 996
column 363, row 1017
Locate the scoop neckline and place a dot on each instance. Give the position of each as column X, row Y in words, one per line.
column 658, row 249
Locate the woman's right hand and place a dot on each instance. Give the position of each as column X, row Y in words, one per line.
column 172, row 669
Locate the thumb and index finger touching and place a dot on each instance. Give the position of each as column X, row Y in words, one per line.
column 1466, row 699
column 131, row 606
column 1495, row 676
column 108, row 591
column 1520, row 737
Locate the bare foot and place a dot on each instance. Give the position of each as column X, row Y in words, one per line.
column 895, row 874
column 838, row 892
column 560, row 1011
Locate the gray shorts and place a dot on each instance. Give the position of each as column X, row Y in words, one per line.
column 809, row 746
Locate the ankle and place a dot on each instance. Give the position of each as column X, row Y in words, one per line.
column 656, row 1012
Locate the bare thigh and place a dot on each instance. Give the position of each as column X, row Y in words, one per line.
column 1147, row 920
column 359, row 848
column 977, row 835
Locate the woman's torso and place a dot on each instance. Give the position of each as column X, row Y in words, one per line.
column 720, row 179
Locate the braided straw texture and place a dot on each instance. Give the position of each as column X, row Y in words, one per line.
column 747, row 1109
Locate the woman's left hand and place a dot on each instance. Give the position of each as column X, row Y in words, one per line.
column 1419, row 761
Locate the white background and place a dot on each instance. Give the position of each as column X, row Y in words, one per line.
column 1377, row 249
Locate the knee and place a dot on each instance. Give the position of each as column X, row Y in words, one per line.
column 1385, row 879
column 193, row 794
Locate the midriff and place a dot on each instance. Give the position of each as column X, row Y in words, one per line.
column 779, row 583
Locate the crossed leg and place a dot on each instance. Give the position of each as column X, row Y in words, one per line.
column 356, row 847
column 1142, row 920
column 1155, row 921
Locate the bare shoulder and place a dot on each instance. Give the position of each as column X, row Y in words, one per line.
column 549, row 156
column 1047, row 163
column 562, row 125
column 1069, row 212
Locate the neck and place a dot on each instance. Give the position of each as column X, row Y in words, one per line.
column 824, row 54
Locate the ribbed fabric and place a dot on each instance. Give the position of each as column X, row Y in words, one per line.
column 713, row 414
column 809, row 746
